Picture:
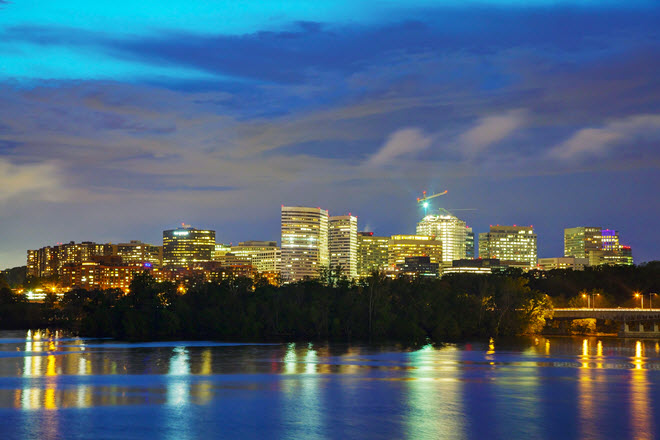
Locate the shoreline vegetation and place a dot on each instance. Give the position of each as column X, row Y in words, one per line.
column 448, row 309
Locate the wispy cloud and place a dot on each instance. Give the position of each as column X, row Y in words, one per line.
column 400, row 143
column 589, row 142
column 30, row 182
column 490, row 130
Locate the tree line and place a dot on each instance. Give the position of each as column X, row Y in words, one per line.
column 454, row 307
column 331, row 308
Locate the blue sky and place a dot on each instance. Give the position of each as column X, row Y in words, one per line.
column 121, row 119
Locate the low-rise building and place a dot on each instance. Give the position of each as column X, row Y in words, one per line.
column 572, row 263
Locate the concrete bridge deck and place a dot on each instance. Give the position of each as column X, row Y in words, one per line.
column 618, row 314
column 634, row 322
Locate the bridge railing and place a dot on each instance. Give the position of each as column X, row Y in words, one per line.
column 618, row 309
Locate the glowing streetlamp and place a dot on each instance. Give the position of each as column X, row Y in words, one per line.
column 651, row 295
column 591, row 299
column 641, row 297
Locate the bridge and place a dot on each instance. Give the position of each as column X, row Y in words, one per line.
column 634, row 322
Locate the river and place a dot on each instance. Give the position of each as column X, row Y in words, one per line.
column 53, row 386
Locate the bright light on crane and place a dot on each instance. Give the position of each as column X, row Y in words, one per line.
column 424, row 199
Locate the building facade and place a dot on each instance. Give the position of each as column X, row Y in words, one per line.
column 343, row 244
column 479, row 266
column 402, row 246
column 186, row 246
column 101, row 273
column 511, row 244
column 450, row 230
column 417, row 267
column 372, row 253
column 572, row 263
column 304, row 243
column 599, row 245
column 49, row 261
column 265, row 256
column 137, row 253
column 469, row 243
column 579, row 241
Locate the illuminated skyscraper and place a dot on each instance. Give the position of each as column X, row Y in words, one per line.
column 469, row 243
column 372, row 253
column 304, row 243
column 600, row 246
column 264, row 256
column 185, row 246
column 49, row 260
column 139, row 253
column 402, row 246
column 343, row 245
column 578, row 242
column 450, row 230
column 509, row 243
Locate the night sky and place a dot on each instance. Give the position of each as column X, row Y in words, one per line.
column 119, row 119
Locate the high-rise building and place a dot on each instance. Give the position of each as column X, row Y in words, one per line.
column 264, row 256
column 450, row 230
column 139, row 253
column 186, row 246
column 510, row 243
column 600, row 246
column 578, row 242
column 49, row 260
column 402, row 246
column 101, row 273
column 304, row 243
column 372, row 253
column 221, row 250
column 469, row 243
column 343, row 244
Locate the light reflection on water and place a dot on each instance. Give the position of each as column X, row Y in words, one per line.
column 532, row 388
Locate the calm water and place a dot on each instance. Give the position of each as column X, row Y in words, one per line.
column 57, row 387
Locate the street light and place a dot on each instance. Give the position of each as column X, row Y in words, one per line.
column 651, row 294
column 640, row 296
column 592, row 297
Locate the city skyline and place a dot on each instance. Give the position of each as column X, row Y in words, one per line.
column 425, row 227
column 118, row 121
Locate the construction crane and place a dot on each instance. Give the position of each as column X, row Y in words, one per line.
column 424, row 199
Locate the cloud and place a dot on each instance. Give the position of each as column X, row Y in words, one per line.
column 400, row 143
column 490, row 130
column 600, row 141
column 34, row 182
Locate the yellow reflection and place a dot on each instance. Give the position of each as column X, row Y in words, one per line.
column 203, row 391
column 206, row 362
column 50, row 367
column 585, row 354
column 348, row 366
column 588, row 426
column 547, row 347
column 642, row 420
column 639, row 354
column 49, row 399
column 491, row 346
column 599, row 354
